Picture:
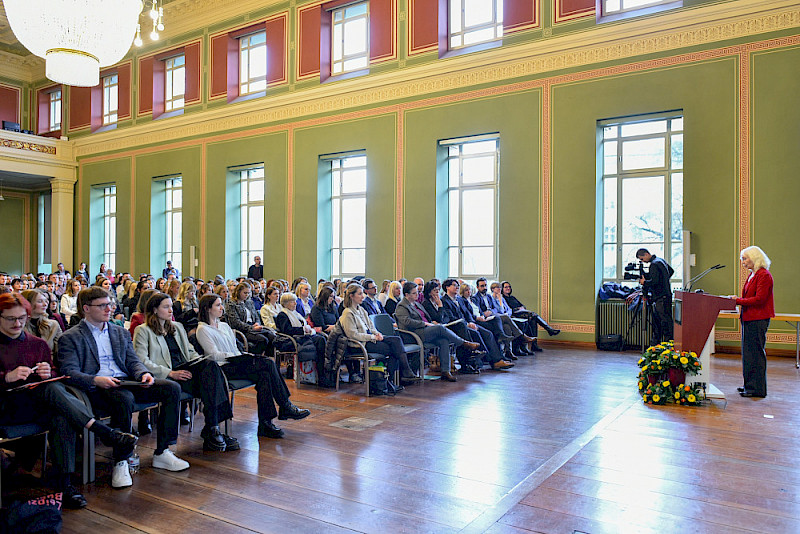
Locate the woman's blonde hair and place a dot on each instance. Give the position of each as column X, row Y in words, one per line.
column 757, row 256
column 288, row 297
column 464, row 288
column 184, row 290
column 392, row 285
column 46, row 326
column 351, row 290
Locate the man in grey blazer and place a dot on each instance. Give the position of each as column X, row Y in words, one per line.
column 98, row 356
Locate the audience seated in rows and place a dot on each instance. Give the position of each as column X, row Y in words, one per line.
column 38, row 323
column 241, row 315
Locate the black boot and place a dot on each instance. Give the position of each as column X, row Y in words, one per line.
column 550, row 331
column 144, row 426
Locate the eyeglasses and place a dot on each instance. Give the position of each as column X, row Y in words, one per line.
column 12, row 320
column 104, row 305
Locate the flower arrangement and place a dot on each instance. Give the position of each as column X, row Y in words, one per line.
column 663, row 372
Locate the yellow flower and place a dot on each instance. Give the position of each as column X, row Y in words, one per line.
column 677, row 394
column 690, row 398
column 665, row 383
column 644, row 398
column 640, row 361
column 693, row 354
column 656, row 398
column 684, row 360
column 640, row 385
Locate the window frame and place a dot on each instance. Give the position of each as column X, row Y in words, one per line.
column 496, row 25
column 173, row 247
column 342, row 23
column 110, row 84
column 55, row 110
column 494, row 185
column 109, row 196
column 668, row 174
column 337, row 248
column 603, row 15
column 245, row 66
column 245, row 179
column 171, row 98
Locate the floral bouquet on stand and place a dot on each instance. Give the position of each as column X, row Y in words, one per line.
column 662, row 377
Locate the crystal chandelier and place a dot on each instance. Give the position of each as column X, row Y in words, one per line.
column 75, row 37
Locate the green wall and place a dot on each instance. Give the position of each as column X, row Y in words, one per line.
column 12, row 240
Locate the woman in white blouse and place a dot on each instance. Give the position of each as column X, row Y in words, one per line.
column 69, row 300
column 271, row 307
column 218, row 343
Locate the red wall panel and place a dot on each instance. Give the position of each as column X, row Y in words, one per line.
column 382, row 29
column 124, row 80
column 80, row 107
column 572, row 9
column 519, row 14
column 276, row 50
column 9, row 104
column 219, row 65
column 308, row 41
column 423, row 24
column 146, row 85
column 192, row 55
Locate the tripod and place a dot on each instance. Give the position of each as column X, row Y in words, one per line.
column 642, row 316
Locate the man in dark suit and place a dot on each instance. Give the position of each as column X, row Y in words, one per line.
column 98, row 356
column 452, row 311
column 256, row 271
column 370, row 302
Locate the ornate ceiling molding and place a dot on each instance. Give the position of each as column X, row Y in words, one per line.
column 666, row 33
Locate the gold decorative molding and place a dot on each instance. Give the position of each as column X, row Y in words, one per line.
column 575, row 50
column 26, row 145
column 578, row 328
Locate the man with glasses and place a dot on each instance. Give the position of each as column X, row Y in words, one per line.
column 370, row 302
column 98, row 357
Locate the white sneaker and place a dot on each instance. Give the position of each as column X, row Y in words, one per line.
column 167, row 460
column 121, row 477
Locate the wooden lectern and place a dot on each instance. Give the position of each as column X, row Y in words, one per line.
column 695, row 315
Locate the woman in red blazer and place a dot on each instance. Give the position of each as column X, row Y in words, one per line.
column 757, row 309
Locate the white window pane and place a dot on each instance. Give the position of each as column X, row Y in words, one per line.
column 610, row 210
column 643, row 209
column 335, row 223
column 355, row 36
column 477, row 12
column 258, row 38
column 256, row 192
column 258, row 62
column 353, row 260
column 244, row 66
column 677, row 207
column 479, row 36
column 676, row 124
column 480, row 147
column 455, row 41
column 478, row 170
column 609, row 261
column 610, row 157
column 354, row 181
column 335, row 262
column 477, row 227
column 676, row 151
column 179, row 82
column 452, row 268
column 455, row 16
column 177, row 104
column 629, row 250
column 643, row 154
column 179, row 60
column 256, row 228
column 336, row 183
column 676, row 261
column 644, row 128
column 610, row 132
column 354, row 161
column 453, row 217
column 478, row 260
column 354, row 216
column 168, row 89
column 612, row 5
column 453, row 173
column 337, row 42
column 177, row 198
column 355, row 64
column 244, row 222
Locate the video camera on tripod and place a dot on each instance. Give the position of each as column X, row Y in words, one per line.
column 629, row 273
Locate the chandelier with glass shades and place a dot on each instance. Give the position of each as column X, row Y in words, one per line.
column 78, row 37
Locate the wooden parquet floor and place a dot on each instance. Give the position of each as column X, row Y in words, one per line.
column 561, row 444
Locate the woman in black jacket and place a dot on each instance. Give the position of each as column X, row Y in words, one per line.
column 519, row 310
column 324, row 314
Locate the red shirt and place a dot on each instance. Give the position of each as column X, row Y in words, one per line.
column 756, row 300
column 136, row 319
column 25, row 350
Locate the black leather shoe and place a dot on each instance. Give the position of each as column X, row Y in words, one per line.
column 231, row 444
column 749, row 394
column 122, row 441
column 553, row 332
column 269, row 430
column 447, row 377
column 212, row 439
column 185, row 417
column 536, row 348
column 290, row 411
column 740, row 390
column 468, row 370
column 73, row 498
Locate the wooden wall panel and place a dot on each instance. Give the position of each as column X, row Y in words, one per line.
column 192, row 53
column 276, row 50
column 219, row 65
column 572, row 9
column 423, row 26
column 9, row 103
column 520, row 15
column 124, row 80
column 80, row 108
column 382, row 29
column 308, row 38
column 146, row 85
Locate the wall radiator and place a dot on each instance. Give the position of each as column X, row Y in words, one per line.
column 612, row 317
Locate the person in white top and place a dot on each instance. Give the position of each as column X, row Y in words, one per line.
column 218, row 343
column 271, row 307
column 69, row 300
column 384, row 294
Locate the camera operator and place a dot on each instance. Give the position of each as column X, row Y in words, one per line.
column 656, row 285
